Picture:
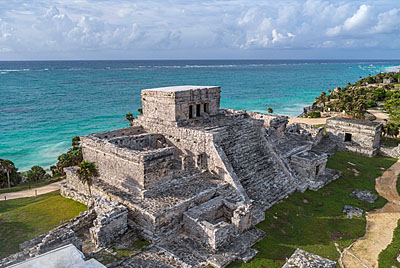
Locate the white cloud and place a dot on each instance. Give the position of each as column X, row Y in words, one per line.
column 355, row 24
column 388, row 22
column 89, row 25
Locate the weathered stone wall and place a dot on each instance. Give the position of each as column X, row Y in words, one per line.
column 275, row 125
column 73, row 188
column 118, row 166
column 111, row 222
column 127, row 168
column 309, row 132
column 139, row 142
column 129, row 131
column 390, row 151
column 171, row 107
column 166, row 222
column 309, row 164
column 210, row 222
column 191, row 144
column 365, row 136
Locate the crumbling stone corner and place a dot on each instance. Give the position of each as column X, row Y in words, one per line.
column 111, row 222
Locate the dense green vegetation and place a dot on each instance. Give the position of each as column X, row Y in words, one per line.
column 313, row 221
column 15, row 181
column 71, row 158
column 356, row 98
column 390, row 142
column 9, row 175
column 314, row 114
column 387, row 258
column 25, row 218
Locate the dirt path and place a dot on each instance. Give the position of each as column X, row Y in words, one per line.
column 380, row 225
column 310, row 121
column 33, row 192
column 380, row 116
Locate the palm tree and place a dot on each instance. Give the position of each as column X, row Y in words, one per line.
column 270, row 110
column 391, row 129
column 7, row 166
column 130, row 118
column 86, row 172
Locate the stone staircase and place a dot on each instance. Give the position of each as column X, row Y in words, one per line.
column 258, row 169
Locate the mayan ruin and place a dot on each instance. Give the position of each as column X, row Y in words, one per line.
column 194, row 180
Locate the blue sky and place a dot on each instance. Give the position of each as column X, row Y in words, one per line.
column 238, row 29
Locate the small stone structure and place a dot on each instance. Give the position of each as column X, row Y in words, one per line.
column 365, row 195
column 352, row 211
column 303, row 259
column 216, row 221
column 110, row 224
column 194, row 179
column 390, row 151
column 180, row 105
column 354, row 135
column 310, row 166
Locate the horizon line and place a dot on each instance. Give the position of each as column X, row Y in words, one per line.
column 198, row 59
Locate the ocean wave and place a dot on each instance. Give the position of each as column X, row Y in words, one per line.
column 15, row 70
column 395, row 69
column 52, row 151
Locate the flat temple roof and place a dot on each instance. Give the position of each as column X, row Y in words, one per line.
column 179, row 88
column 355, row 121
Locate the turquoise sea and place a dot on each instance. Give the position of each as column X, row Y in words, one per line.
column 44, row 104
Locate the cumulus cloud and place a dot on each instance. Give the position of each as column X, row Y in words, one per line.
column 94, row 25
column 357, row 23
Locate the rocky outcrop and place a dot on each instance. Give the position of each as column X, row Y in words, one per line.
column 303, row 259
column 365, row 195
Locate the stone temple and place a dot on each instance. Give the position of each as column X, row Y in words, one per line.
column 194, row 179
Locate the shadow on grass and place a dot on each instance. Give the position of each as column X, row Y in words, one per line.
column 9, row 238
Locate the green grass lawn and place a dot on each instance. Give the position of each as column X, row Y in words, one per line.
column 25, row 218
column 23, row 187
column 398, row 185
column 387, row 258
column 313, row 221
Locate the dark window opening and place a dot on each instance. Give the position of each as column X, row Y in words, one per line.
column 347, row 137
column 317, row 168
column 190, row 111
column 198, row 108
column 206, row 107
